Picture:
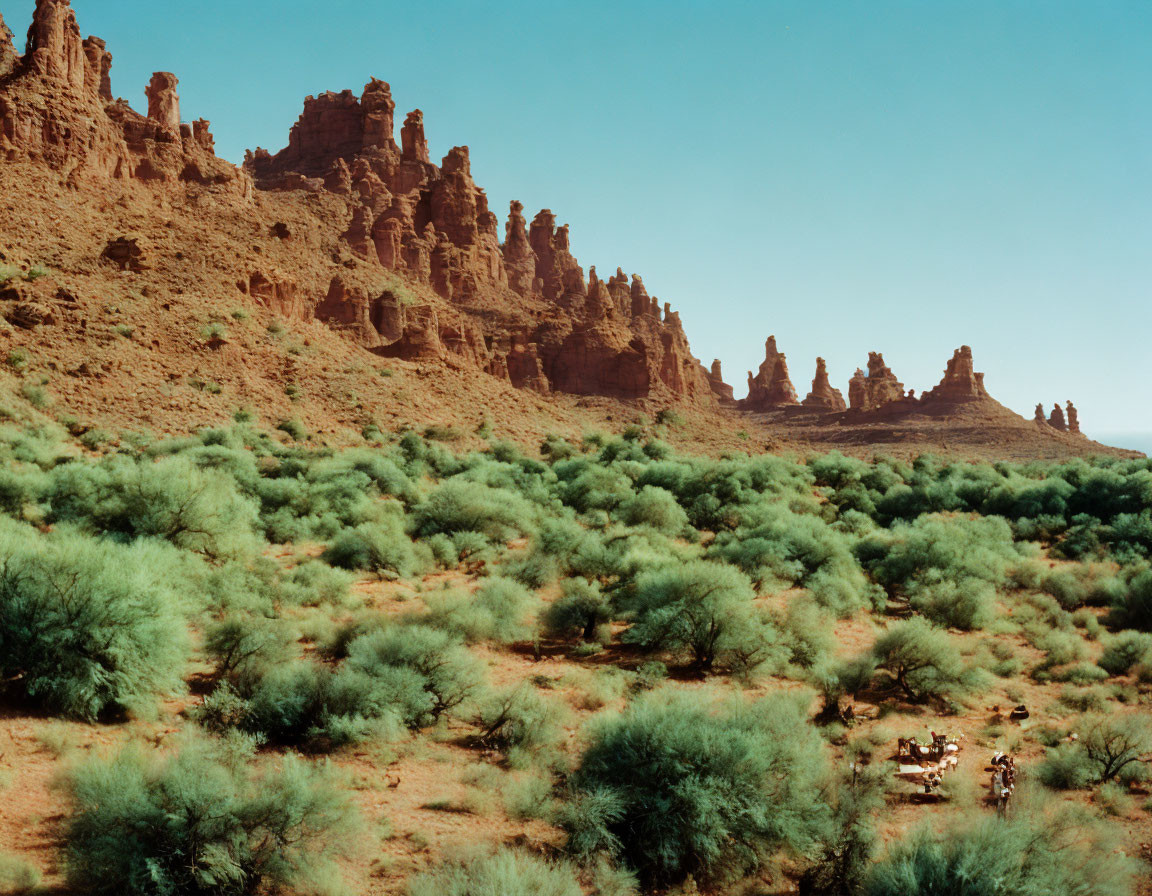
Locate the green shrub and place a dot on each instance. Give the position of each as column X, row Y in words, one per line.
column 203, row 822
column 518, row 719
column 172, row 498
column 675, row 788
column 448, row 674
column 496, row 611
column 1113, row 742
column 581, row 611
column 702, row 610
column 463, row 506
column 1026, row 855
column 1065, row 767
column 654, row 507
column 17, row 877
column 294, row 428
column 923, row 662
column 379, row 547
column 88, row 628
column 505, row 873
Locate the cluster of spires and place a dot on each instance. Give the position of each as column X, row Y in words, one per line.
column 1058, row 419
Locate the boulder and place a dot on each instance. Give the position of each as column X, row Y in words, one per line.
column 126, row 253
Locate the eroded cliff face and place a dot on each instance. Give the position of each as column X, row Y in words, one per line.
column 56, row 107
column 523, row 307
column 401, row 255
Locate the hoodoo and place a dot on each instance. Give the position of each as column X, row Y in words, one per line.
column 823, row 396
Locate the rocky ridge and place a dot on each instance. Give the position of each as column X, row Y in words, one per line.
column 404, row 256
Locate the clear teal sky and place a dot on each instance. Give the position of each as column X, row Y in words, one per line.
column 847, row 174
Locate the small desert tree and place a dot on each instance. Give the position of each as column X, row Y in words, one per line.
column 704, row 610
column 922, row 661
column 1113, row 743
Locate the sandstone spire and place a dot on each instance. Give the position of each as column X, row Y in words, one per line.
column 1073, row 419
column 1040, row 417
column 961, row 383
column 412, row 138
column 823, row 396
column 720, row 388
column 1056, row 419
column 99, row 77
column 7, row 49
column 871, row 391
column 771, row 387
column 377, row 108
column 163, row 101
column 55, row 51
column 519, row 259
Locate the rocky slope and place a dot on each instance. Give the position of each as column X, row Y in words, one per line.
column 163, row 261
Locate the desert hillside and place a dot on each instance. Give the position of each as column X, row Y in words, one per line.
column 347, row 549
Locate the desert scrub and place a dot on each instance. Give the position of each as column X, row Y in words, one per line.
column 89, row 629
column 1033, row 853
column 702, row 611
column 505, row 872
column 923, row 663
column 172, row 498
column 205, row 821
column 673, row 788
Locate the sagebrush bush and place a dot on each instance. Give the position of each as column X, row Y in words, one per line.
column 674, row 788
column 505, row 872
column 205, row 823
column 89, row 628
column 447, row 673
column 581, row 611
column 377, row 547
column 1126, row 650
column 518, row 719
column 172, row 498
column 1027, row 854
column 498, row 610
column 702, row 611
column 463, row 506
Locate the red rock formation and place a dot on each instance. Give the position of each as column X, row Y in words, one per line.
column 99, row 77
column 519, row 259
column 1056, row 419
column 277, row 292
column 415, row 147
column 1040, row 418
column 56, row 108
column 55, row 50
column 961, row 383
column 1073, row 419
column 876, row 389
column 8, row 55
column 720, row 388
column 163, row 101
column 771, row 387
column 823, row 396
